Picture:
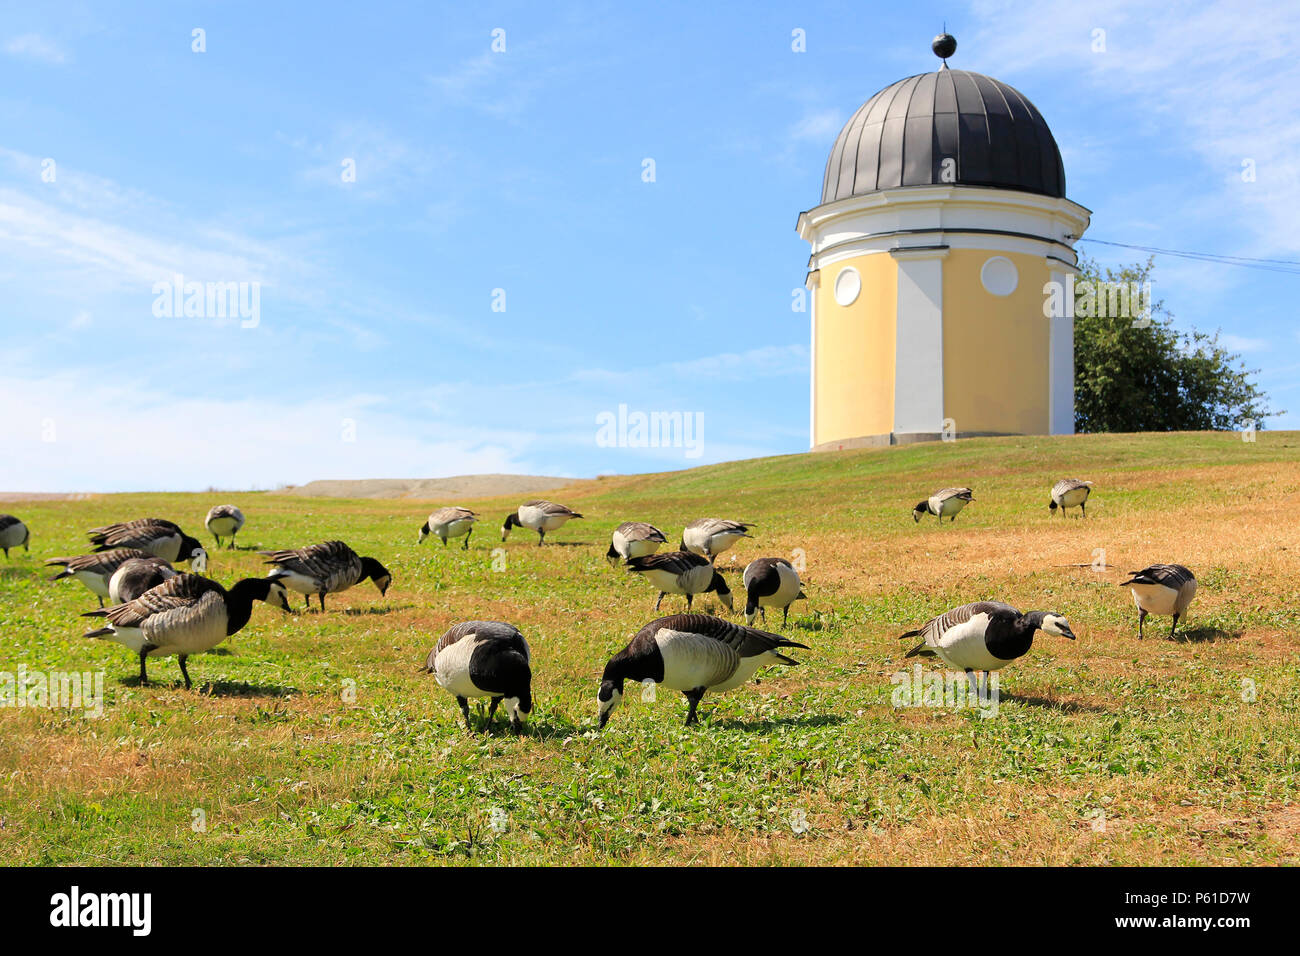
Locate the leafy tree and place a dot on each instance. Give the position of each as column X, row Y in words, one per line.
column 1135, row 373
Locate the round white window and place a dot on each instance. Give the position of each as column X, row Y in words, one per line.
column 999, row 276
column 847, row 286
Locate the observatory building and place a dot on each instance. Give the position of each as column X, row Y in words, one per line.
column 942, row 220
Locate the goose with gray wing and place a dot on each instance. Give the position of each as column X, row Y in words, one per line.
column 681, row 572
column 13, row 534
column 771, row 582
column 224, row 521
column 161, row 538
column 96, row 570
column 633, row 539
column 326, row 568
column 453, row 522
column 944, row 503
column 541, row 516
column 184, row 615
column 1070, row 493
column 1162, row 589
column 691, row 653
column 485, row 659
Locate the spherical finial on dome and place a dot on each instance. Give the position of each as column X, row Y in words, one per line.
column 944, row 46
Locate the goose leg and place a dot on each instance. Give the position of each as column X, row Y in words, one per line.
column 1142, row 616
column 694, row 697
column 785, row 616
column 464, row 709
column 465, row 546
column 144, row 676
column 444, row 542
column 232, row 542
column 1174, row 628
column 974, row 682
column 322, row 600
column 184, row 672
column 661, row 600
column 307, row 599
column 541, row 537
column 101, row 602
column 762, row 612
column 688, row 601
column 1083, row 509
column 492, row 709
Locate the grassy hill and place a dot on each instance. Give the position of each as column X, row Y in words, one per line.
column 314, row 739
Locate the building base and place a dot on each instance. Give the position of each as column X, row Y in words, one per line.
column 898, row 438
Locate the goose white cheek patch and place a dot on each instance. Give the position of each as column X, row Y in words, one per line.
column 648, row 691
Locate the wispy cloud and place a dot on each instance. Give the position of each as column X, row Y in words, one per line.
column 33, row 46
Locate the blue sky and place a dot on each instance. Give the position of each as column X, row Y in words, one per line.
column 378, row 352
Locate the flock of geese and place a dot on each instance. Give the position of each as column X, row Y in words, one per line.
column 157, row 611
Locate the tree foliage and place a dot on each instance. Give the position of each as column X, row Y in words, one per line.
column 1134, row 375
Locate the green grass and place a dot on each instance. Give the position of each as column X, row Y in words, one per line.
column 314, row 739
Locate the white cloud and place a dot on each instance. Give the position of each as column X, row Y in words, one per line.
column 109, row 437
column 1241, row 343
column 33, row 46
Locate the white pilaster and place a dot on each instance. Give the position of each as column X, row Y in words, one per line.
column 918, row 369
column 1060, row 387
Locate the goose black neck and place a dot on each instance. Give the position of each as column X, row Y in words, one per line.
column 1016, row 638
column 239, row 601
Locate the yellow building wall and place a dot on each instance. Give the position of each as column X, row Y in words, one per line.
column 995, row 348
column 854, row 362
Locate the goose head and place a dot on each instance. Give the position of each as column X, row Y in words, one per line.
column 1051, row 505
column 424, row 533
column 370, row 568
column 922, row 507
column 278, row 596
column 1054, row 623
column 608, row 697
column 512, row 521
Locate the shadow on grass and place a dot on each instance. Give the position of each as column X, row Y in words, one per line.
column 19, row 570
column 229, row 688
column 1063, row 706
column 772, row 723
column 374, row 609
column 1205, row 635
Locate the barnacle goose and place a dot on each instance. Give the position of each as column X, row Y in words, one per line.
column 770, row 582
column 326, row 568
column 484, row 659
column 224, row 520
column 1161, row 589
column 95, row 570
column 692, row 653
column 711, row 536
column 449, row 523
column 13, row 533
column 161, row 538
column 681, row 572
column 984, row 636
column 137, row 575
column 184, row 615
column 540, row 516
column 1069, row 492
column 943, row 503
column 634, row 539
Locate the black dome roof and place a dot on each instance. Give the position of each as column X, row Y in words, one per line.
column 901, row 136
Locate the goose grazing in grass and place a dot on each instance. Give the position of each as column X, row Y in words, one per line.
column 137, row 575
column 449, row 523
column 681, row 572
column 984, row 636
column 634, row 539
column 943, row 504
column 541, row 516
column 326, row 568
column 711, row 536
column 96, row 570
column 184, row 615
column 692, row 653
column 161, row 538
column 484, row 659
column 771, row 582
column 13, row 533
column 1161, row 589
column 1069, row 492
column 224, row 520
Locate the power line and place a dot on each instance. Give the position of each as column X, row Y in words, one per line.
column 1268, row 265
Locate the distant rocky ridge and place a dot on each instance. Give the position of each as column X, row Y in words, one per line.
column 469, row 486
